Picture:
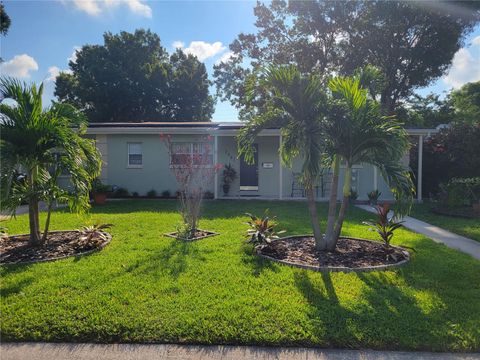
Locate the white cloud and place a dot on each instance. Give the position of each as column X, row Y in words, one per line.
column 225, row 57
column 204, row 50
column 178, row 44
column 91, row 7
column 476, row 40
column 96, row 7
column 73, row 57
column 20, row 66
column 53, row 72
column 465, row 68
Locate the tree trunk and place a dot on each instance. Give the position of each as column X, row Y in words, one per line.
column 47, row 222
column 35, row 239
column 332, row 204
column 312, row 208
column 346, row 196
column 33, row 217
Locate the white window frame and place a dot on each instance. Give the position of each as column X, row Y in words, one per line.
column 134, row 166
column 190, row 152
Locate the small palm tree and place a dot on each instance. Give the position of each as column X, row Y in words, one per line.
column 358, row 133
column 34, row 140
column 296, row 104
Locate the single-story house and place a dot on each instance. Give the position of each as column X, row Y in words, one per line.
column 135, row 157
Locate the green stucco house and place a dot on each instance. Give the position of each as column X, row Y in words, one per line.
column 135, row 157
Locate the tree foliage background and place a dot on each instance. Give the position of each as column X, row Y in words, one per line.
column 132, row 78
column 411, row 43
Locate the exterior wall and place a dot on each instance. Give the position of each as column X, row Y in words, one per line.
column 155, row 173
column 268, row 178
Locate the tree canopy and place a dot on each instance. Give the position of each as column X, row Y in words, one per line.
column 412, row 43
column 4, row 20
column 132, row 78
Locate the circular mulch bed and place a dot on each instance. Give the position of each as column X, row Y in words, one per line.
column 351, row 254
column 60, row 244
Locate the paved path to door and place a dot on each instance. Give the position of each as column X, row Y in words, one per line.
column 48, row 351
column 439, row 235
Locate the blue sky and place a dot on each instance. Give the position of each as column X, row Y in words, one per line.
column 44, row 35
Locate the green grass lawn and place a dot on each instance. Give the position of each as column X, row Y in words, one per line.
column 144, row 287
column 462, row 226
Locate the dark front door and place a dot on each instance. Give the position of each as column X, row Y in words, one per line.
column 249, row 173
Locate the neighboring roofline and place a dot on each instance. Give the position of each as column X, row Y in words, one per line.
column 192, row 128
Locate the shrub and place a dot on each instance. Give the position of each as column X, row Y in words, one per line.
column 373, row 196
column 460, row 192
column 208, row 195
column 383, row 225
column 261, row 231
column 120, row 192
column 453, row 152
column 353, row 195
column 166, row 194
column 135, row 194
column 99, row 187
column 152, row 193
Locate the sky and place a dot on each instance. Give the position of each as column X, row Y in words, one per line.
column 44, row 35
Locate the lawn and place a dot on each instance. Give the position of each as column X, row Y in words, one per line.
column 462, row 226
column 144, row 287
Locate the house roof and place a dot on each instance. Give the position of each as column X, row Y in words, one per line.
column 205, row 127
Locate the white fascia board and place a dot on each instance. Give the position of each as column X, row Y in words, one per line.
column 148, row 130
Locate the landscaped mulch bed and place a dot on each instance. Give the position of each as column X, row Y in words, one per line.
column 350, row 254
column 60, row 244
column 199, row 234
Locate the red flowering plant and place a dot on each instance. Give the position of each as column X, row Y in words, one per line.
column 193, row 167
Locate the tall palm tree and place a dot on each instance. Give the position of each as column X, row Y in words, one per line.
column 296, row 104
column 358, row 133
column 34, row 140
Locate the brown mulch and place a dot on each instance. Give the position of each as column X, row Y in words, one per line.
column 349, row 253
column 15, row 249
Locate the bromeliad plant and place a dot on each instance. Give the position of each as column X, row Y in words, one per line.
column 93, row 235
column 262, row 230
column 373, row 197
column 383, row 225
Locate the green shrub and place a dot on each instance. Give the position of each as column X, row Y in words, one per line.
column 152, row 193
column 135, row 194
column 121, row 193
column 208, row 195
column 166, row 194
column 460, row 192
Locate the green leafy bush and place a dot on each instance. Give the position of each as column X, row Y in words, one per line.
column 460, row 192
column 261, row 230
column 166, row 194
column 121, row 193
column 152, row 193
column 373, row 197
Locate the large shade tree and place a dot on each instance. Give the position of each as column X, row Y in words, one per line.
column 132, row 78
column 412, row 43
column 42, row 142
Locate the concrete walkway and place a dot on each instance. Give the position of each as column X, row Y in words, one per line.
column 438, row 235
column 49, row 351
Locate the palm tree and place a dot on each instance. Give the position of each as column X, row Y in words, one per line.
column 296, row 104
column 34, row 140
column 358, row 133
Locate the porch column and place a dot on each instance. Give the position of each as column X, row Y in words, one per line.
column 215, row 161
column 375, row 178
column 280, row 170
column 420, row 168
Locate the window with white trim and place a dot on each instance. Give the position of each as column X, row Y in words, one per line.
column 135, row 157
column 182, row 153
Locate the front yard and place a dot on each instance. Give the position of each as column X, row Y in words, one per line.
column 145, row 287
column 469, row 228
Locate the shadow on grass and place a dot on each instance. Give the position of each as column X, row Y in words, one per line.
column 255, row 262
column 17, row 287
column 173, row 259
